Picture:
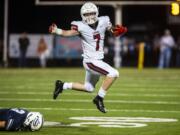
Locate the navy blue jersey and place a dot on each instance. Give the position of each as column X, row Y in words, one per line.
column 14, row 118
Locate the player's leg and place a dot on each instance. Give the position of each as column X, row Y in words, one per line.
column 107, row 82
column 110, row 76
column 61, row 86
column 91, row 80
column 42, row 60
column 167, row 57
column 106, row 70
column 88, row 86
column 161, row 59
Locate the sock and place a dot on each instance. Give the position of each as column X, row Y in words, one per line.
column 67, row 86
column 101, row 92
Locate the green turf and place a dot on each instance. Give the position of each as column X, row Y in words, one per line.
column 150, row 93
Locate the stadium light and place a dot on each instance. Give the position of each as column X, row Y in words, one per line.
column 175, row 8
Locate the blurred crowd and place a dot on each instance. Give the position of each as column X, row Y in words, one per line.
column 161, row 51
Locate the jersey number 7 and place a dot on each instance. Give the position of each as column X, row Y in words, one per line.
column 97, row 37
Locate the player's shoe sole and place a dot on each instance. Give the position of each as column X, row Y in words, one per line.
column 58, row 88
column 98, row 101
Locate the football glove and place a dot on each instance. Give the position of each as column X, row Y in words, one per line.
column 119, row 30
column 52, row 28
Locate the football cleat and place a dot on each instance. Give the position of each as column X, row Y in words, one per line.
column 58, row 88
column 98, row 101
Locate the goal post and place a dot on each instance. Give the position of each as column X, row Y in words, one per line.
column 102, row 2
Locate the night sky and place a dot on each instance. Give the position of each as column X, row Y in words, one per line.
column 36, row 19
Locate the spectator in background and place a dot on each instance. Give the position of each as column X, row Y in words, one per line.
column 178, row 52
column 156, row 42
column 125, row 43
column 156, row 46
column 166, row 44
column 23, row 45
column 109, row 49
column 43, row 52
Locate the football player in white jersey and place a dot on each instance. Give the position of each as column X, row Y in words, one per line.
column 92, row 32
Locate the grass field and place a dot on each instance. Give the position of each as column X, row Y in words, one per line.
column 150, row 93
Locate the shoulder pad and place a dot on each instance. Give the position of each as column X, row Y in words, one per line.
column 76, row 25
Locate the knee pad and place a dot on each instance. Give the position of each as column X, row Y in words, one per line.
column 89, row 87
column 113, row 73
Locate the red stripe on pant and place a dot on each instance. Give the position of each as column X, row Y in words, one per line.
column 97, row 69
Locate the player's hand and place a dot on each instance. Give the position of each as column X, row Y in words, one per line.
column 52, row 28
column 119, row 30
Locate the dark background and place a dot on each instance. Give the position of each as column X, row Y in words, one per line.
column 24, row 15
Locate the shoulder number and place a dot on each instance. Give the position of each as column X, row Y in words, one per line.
column 20, row 111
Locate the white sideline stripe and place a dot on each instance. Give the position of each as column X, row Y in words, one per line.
column 85, row 94
column 135, row 88
column 110, row 110
column 85, row 100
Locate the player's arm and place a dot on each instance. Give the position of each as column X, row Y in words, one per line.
column 117, row 30
column 55, row 30
column 2, row 124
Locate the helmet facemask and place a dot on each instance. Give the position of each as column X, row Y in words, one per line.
column 90, row 18
column 89, row 13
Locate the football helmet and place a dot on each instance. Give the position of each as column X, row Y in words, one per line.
column 34, row 121
column 89, row 13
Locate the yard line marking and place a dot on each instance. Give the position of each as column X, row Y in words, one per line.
column 117, row 122
column 85, row 94
column 153, row 88
column 110, row 110
column 85, row 100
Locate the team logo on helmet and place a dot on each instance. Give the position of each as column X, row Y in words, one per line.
column 34, row 121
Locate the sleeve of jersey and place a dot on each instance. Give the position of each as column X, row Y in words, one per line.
column 107, row 22
column 75, row 25
column 13, row 125
column 9, row 126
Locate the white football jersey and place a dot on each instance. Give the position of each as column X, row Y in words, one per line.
column 92, row 39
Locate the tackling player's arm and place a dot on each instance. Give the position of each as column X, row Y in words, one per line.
column 55, row 30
